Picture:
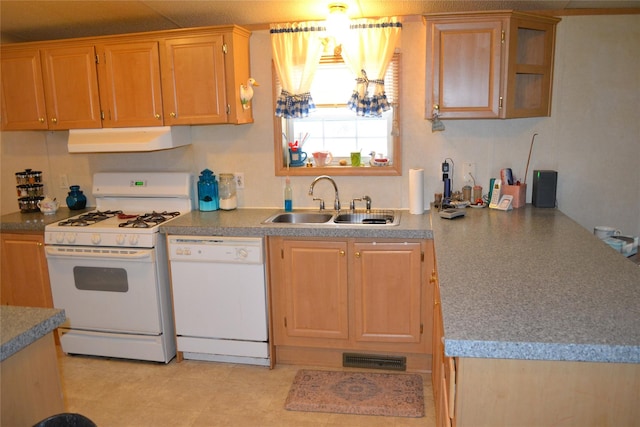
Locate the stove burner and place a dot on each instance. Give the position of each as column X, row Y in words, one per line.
column 149, row 219
column 88, row 218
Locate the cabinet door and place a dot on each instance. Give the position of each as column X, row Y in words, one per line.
column 71, row 87
column 25, row 276
column 315, row 287
column 193, row 80
column 464, row 66
column 23, row 103
column 530, row 66
column 130, row 84
column 388, row 292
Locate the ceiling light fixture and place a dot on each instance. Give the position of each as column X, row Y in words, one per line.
column 337, row 21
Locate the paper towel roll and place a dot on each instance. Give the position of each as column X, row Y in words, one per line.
column 416, row 191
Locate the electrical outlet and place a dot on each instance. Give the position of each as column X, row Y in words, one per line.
column 64, row 181
column 239, row 177
column 469, row 172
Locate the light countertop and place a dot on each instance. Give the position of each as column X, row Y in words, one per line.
column 533, row 284
column 21, row 326
column 529, row 283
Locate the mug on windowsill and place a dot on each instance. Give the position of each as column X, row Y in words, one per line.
column 297, row 157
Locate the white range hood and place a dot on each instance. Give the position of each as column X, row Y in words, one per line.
column 123, row 140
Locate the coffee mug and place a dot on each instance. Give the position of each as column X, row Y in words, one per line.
column 297, row 157
column 602, row 231
column 322, row 158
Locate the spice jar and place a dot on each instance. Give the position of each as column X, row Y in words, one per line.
column 228, row 197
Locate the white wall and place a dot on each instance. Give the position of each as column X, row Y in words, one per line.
column 591, row 139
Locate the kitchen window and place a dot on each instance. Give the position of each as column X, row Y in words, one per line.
column 333, row 127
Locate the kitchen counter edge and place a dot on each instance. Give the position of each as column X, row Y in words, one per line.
column 22, row 326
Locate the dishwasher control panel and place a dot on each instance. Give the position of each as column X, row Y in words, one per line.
column 247, row 250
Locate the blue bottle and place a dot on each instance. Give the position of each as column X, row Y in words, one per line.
column 208, row 192
column 76, row 199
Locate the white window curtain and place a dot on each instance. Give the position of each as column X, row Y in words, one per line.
column 297, row 49
column 367, row 50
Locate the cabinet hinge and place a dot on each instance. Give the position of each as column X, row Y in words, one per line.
column 228, row 109
column 421, row 256
column 282, row 253
column 502, row 37
column 421, row 328
column 102, row 115
column 500, row 103
column 285, row 322
column 97, row 58
column 225, row 48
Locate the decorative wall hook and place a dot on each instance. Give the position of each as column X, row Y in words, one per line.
column 246, row 93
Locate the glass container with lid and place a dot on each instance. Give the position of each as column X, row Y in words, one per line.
column 76, row 198
column 207, row 191
column 228, row 197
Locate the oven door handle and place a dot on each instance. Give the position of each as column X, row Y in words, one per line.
column 70, row 252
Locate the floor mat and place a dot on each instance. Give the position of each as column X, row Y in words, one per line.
column 362, row 393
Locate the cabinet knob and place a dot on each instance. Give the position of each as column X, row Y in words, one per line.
column 357, row 254
column 341, row 253
column 41, row 119
column 158, row 116
column 54, row 120
column 173, row 114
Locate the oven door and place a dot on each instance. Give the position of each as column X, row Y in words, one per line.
column 106, row 289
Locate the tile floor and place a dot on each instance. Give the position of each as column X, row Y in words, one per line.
column 124, row 393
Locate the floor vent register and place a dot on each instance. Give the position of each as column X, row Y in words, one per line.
column 357, row 360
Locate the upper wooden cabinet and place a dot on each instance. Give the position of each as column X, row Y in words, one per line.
column 489, row 65
column 71, row 87
column 130, row 91
column 201, row 77
column 115, row 81
column 22, row 90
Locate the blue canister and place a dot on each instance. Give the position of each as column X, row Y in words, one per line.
column 208, row 192
column 76, row 199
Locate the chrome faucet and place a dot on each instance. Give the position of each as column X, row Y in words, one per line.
column 367, row 200
column 336, row 203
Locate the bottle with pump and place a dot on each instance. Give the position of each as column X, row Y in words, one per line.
column 288, row 196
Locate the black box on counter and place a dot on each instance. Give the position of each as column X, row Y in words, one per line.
column 543, row 194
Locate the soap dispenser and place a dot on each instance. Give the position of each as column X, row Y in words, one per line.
column 208, row 191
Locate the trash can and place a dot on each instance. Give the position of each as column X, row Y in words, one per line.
column 66, row 420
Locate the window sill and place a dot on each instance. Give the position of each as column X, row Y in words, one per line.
column 392, row 170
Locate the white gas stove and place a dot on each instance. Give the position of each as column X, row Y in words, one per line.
column 129, row 210
column 109, row 270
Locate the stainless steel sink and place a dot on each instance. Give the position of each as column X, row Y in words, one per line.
column 300, row 218
column 347, row 218
column 377, row 217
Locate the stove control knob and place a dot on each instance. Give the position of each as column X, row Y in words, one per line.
column 59, row 237
column 133, row 239
column 120, row 239
column 70, row 237
column 95, row 238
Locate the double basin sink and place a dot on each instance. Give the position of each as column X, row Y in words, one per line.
column 350, row 218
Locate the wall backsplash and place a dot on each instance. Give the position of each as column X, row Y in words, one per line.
column 591, row 137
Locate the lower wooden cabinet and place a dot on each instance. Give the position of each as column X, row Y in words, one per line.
column 351, row 295
column 25, row 276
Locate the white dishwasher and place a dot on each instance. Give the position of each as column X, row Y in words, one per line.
column 219, row 298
